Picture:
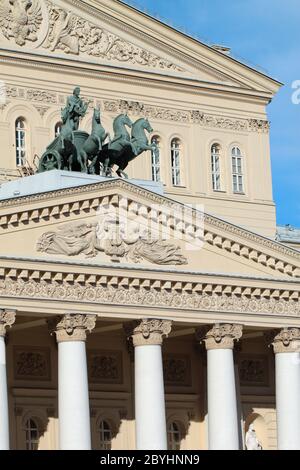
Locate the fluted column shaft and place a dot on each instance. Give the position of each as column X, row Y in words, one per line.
column 150, row 414
column 73, row 389
column 7, row 318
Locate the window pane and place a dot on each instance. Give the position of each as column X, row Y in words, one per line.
column 155, row 160
column 174, row 436
column 105, row 435
column 20, row 142
column 32, row 435
column 176, row 161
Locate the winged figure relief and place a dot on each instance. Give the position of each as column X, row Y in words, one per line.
column 20, row 19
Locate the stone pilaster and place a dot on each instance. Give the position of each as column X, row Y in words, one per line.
column 7, row 319
column 73, row 327
column 220, row 336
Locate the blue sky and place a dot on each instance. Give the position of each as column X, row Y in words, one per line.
column 264, row 33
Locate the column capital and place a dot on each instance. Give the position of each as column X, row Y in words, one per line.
column 7, row 318
column 148, row 331
column 287, row 341
column 72, row 327
column 220, row 336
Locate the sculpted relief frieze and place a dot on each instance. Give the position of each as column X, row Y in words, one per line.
column 35, row 23
column 117, row 294
column 23, row 21
column 136, row 108
column 118, row 239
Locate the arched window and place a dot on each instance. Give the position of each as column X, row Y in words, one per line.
column 216, row 167
column 57, row 128
column 174, row 436
column 105, row 435
column 176, row 157
column 20, row 141
column 155, row 160
column 32, row 434
column 237, row 170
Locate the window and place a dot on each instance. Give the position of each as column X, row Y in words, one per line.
column 57, row 128
column 32, row 434
column 155, row 160
column 105, row 435
column 216, row 167
column 174, row 436
column 237, row 170
column 176, row 150
column 20, row 141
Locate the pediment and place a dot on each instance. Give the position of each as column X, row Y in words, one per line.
column 117, row 223
column 108, row 33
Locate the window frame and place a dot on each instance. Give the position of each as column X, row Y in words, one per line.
column 21, row 141
column 178, row 166
column 30, row 442
column 101, row 434
column 215, row 173
column 237, row 170
column 171, row 433
column 156, row 166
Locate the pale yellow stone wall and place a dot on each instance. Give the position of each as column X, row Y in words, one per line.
column 38, row 88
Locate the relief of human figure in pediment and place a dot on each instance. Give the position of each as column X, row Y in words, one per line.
column 118, row 239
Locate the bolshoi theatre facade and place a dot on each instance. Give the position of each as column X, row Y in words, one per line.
column 156, row 307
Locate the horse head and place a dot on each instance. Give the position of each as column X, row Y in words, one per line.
column 147, row 126
column 126, row 121
column 97, row 115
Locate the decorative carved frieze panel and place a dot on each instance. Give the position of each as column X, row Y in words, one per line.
column 161, row 294
column 177, row 370
column 137, row 108
column 73, row 35
column 118, row 239
column 254, row 370
column 24, row 22
column 105, row 367
column 32, row 363
column 40, row 23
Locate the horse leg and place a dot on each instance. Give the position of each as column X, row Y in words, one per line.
column 92, row 167
column 120, row 171
column 107, row 168
column 82, row 158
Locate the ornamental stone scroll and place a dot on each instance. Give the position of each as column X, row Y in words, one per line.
column 7, row 319
column 287, row 341
column 72, row 327
column 220, row 336
column 148, row 331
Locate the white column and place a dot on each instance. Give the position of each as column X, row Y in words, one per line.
column 223, row 425
column 7, row 318
column 73, row 389
column 287, row 360
column 150, row 414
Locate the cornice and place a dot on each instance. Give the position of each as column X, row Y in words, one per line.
column 133, row 76
column 87, row 289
